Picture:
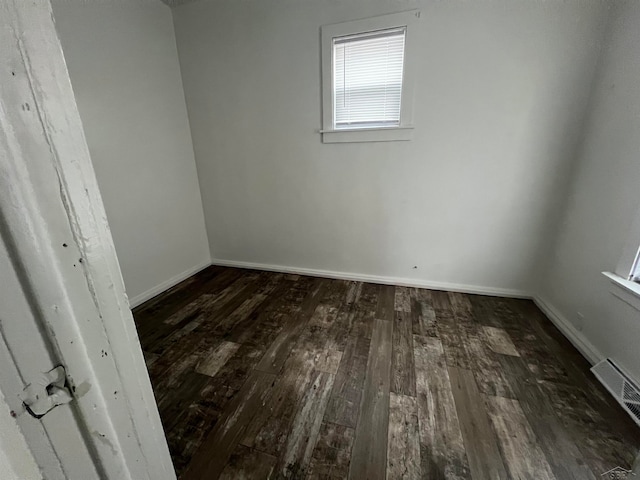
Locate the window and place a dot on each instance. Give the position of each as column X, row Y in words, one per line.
column 367, row 87
column 625, row 279
column 367, row 79
column 629, row 265
column 634, row 276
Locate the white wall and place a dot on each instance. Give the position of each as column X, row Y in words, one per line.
column 602, row 203
column 123, row 64
column 500, row 93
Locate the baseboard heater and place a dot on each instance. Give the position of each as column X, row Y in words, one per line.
column 620, row 386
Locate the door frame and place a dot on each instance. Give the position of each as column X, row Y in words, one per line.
column 54, row 222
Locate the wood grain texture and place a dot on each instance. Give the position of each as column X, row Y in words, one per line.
column 332, row 454
column 442, row 450
column 369, row 456
column 403, row 374
column 386, row 302
column 499, row 341
column 365, row 311
column 301, row 440
column 216, row 359
column 269, row 429
column 267, row 375
column 186, row 423
column 403, row 445
column 453, row 316
column 522, row 456
column 279, row 350
column 264, row 324
column 344, row 403
column 243, row 311
column 315, row 347
column 487, row 369
column 214, row 453
column 423, row 314
column 403, row 299
column 480, row 440
column 562, row 454
column 248, row 464
column 340, row 329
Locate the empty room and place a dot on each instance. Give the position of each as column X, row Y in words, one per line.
column 319, row 239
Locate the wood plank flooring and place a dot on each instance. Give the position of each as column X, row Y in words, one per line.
column 265, row 375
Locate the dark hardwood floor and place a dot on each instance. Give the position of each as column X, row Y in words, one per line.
column 266, row 375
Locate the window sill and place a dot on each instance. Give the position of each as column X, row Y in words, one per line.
column 385, row 134
column 625, row 290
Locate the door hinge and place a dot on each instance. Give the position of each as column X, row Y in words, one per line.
column 46, row 392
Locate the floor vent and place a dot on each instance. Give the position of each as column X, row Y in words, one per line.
column 620, row 386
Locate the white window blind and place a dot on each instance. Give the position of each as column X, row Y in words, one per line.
column 367, row 79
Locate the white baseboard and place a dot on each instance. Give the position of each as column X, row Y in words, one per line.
column 359, row 277
column 158, row 289
column 578, row 340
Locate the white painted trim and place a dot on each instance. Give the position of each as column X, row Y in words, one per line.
column 630, row 252
column 166, row 285
column 625, row 290
column 327, row 34
column 578, row 340
column 361, row 277
column 54, row 220
column 356, row 135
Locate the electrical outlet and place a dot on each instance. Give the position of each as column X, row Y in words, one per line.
column 579, row 321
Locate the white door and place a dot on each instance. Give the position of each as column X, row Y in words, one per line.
column 62, row 300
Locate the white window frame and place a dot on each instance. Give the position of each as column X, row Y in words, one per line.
column 379, row 134
column 631, row 253
column 623, row 286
